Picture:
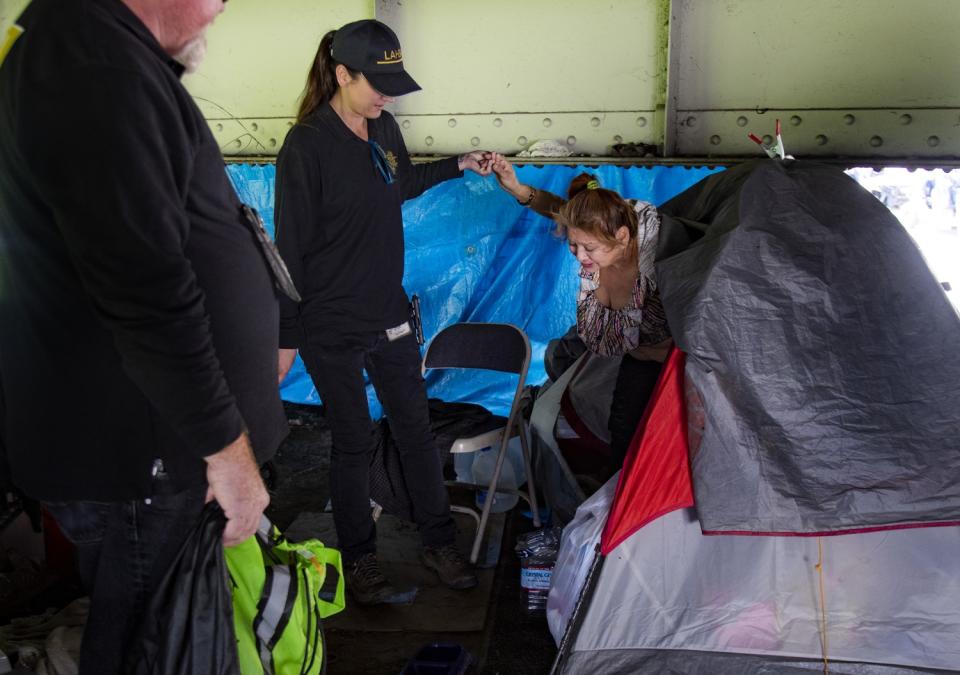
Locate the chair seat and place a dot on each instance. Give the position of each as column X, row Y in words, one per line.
column 488, row 436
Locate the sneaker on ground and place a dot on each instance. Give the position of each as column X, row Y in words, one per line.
column 450, row 566
column 366, row 583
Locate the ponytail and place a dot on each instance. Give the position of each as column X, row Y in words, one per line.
column 321, row 79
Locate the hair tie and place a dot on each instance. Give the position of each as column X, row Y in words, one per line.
column 593, row 184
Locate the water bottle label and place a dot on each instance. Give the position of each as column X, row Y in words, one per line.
column 535, row 578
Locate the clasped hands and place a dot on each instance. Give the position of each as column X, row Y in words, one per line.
column 485, row 162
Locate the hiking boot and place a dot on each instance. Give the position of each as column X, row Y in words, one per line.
column 366, row 583
column 450, row 566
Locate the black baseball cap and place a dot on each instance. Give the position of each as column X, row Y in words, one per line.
column 372, row 48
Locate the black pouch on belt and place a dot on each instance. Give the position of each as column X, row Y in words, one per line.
column 415, row 318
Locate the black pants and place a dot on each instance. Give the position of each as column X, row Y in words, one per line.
column 636, row 381
column 123, row 550
column 394, row 370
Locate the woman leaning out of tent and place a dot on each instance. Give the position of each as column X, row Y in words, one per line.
column 342, row 174
column 619, row 311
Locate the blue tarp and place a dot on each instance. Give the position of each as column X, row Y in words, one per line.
column 474, row 254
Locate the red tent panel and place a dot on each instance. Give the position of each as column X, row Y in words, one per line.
column 656, row 473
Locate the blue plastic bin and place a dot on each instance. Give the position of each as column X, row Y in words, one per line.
column 438, row 658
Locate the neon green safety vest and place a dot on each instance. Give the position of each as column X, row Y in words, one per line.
column 10, row 11
column 277, row 608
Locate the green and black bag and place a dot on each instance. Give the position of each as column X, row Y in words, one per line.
column 277, row 606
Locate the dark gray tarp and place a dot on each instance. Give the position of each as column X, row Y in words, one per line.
column 826, row 354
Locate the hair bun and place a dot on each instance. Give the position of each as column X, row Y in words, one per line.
column 581, row 183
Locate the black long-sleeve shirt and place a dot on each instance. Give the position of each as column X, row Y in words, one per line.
column 137, row 315
column 339, row 225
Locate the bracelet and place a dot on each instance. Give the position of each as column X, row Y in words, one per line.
column 528, row 200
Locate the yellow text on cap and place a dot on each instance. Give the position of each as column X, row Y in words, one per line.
column 393, row 56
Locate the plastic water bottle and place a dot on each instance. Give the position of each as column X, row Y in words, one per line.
column 463, row 466
column 483, row 466
column 538, row 555
column 535, row 576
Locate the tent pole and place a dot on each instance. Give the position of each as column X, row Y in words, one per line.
column 579, row 611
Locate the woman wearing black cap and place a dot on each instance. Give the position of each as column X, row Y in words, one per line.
column 342, row 174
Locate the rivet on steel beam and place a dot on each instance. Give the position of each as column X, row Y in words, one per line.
column 796, row 120
column 238, row 143
column 641, row 121
column 497, row 122
column 821, row 139
column 451, row 122
column 691, row 121
column 428, row 140
column 522, row 140
column 906, row 118
column 618, row 139
column 273, row 142
column 475, row 141
column 572, row 140
column 849, row 119
column 594, row 121
column 219, row 126
column 933, row 141
column 547, row 121
column 289, row 125
column 405, row 124
column 714, row 140
column 767, row 139
column 876, row 141
column 255, row 127
column 741, row 121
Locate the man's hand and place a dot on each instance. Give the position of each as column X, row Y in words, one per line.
column 478, row 161
column 235, row 482
column 285, row 362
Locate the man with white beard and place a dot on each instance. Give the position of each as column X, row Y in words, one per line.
column 138, row 314
column 192, row 53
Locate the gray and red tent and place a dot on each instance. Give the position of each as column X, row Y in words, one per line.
column 791, row 499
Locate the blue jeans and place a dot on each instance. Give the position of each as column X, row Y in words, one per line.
column 123, row 549
column 394, row 370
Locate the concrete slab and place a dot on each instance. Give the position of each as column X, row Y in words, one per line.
column 436, row 608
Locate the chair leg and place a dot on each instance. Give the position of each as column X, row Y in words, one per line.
column 468, row 511
column 491, row 495
column 531, row 487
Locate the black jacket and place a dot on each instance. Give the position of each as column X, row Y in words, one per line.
column 340, row 228
column 137, row 316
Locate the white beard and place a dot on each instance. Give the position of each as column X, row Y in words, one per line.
column 192, row 53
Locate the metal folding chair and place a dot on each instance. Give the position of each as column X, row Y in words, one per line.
column 489, row 346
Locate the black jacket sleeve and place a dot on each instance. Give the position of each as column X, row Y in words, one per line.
column 123, row 218
column 296, row 198
column 415, row 179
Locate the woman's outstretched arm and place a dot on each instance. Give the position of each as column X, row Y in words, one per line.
column 543, row 202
